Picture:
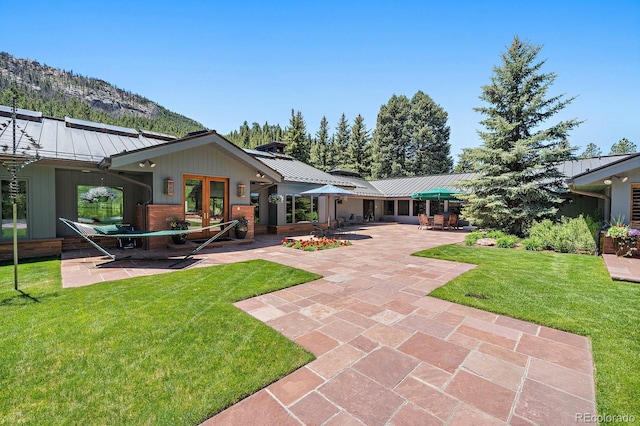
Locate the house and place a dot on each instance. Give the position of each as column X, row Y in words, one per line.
column 100, row 173
column 616, row 182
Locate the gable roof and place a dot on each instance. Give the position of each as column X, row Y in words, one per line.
column 293, row 170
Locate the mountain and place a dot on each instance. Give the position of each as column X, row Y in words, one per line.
column 58, row 93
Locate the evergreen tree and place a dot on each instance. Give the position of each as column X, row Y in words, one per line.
column 296, row 138
column 429, row 150
column 359, row 153
column 624, row 146
column 341, row 143
column 592, row 150
column 391, row 139
column 466, row 162
column 517, row 181
column 320, row 148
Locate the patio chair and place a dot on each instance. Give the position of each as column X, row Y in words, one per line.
column 453, row 221
column 423, row 220
column 438, row 221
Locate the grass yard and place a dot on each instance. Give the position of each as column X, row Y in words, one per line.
column 564, row 291
column 168, row 349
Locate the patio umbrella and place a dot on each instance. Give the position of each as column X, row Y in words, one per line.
column 438, row 194
column 328, row 190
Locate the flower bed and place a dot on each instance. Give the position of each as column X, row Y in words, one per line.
column 314, row 244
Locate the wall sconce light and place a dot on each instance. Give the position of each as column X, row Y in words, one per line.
column 241, row 190
column 622, row 179
column 168, row 186
column 146, row 163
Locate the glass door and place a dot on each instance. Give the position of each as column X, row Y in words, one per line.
column 205, row 203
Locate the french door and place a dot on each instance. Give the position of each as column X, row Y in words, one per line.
column 206, row 202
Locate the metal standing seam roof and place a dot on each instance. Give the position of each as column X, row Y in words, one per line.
column 293, row 170
column 405, row 186
column 60, row 142
column 577, row 167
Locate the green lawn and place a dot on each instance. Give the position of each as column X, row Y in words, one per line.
column 168, row 349
column 564, row 291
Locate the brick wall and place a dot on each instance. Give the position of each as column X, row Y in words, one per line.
column 159, row 217
column 32, row 248
column 247, row 212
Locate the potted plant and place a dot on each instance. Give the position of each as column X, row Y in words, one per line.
column 276, row 198
column 242, row 227
column 179, row 224
column 625, row 239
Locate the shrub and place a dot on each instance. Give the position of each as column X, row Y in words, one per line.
column 507, row 241
column 495, row 235
column 566, row 236
column 534, row 244
column 472, row 238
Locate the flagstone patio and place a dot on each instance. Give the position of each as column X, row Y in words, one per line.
column 386, row 352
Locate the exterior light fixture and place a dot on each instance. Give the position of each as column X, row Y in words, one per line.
column 146, row 163
column 622, row 179
column 259, row 175
column 241, row 188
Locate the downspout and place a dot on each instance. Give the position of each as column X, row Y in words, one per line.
column 607, row 207
column 104, row 166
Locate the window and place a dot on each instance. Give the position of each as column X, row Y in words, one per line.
column 435, row 207
column 7, row 209
column 419, row 207
column 255, row 202
column 301, row 208
column 99, row 204
column 635, row 205
column 389, row 208
column 403, row 207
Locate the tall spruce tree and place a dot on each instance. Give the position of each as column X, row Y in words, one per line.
column 296, row 138
column 320, row 149
column 429, row 151
column 341, row 143
column 359, row 153
column 517, row 181
column 391, row 139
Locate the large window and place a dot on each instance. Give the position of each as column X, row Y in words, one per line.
column 301, row 208
column 7, row 209
column 419, row 207
column 403, row 207
column 389, row 208
column 436, row 207
column 99, row 204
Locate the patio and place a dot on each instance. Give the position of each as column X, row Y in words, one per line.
column 386, row 353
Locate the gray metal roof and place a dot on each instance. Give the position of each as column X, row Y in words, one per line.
column 404, row 187
column 58, row 141
column 293, row 170
column 573, row 168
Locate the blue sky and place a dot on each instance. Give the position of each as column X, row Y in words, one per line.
column 222, row 62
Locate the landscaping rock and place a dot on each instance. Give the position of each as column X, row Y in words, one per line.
column 486, row 242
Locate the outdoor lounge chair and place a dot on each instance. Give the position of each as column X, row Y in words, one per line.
column 88, row 231
column 453, row 221
column 438, row 221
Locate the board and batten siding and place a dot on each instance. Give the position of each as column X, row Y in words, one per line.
column 41, row 196
column 206, row 161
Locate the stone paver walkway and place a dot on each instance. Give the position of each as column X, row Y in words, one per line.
column 623, row 268
column 386, row 352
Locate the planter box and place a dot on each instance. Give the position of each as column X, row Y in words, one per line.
column 609, row 246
